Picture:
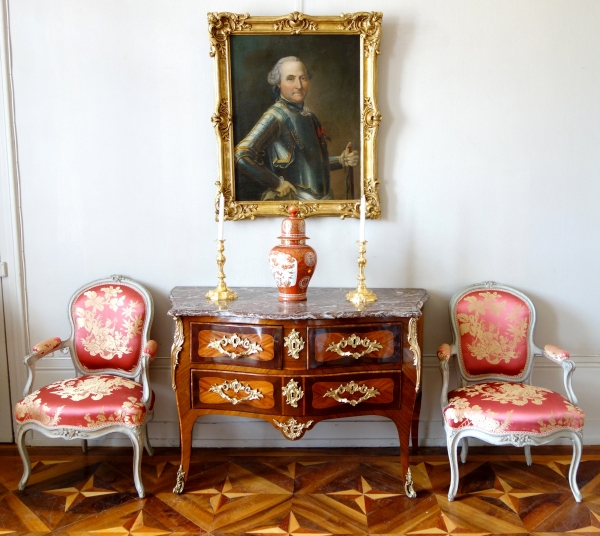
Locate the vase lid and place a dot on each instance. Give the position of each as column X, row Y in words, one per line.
column 294, row 227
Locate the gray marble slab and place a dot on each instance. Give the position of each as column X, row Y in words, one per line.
column 321, row 303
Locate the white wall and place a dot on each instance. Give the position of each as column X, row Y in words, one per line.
column 488, row 161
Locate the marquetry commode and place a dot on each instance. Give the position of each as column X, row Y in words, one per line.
column 297, row 363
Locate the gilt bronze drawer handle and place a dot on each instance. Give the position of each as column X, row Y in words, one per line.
column 354, row 340
column 293, row 393
column 235, row 340
column 292, row 429
column 294, row 343
column 236, row 386
column 351, row 388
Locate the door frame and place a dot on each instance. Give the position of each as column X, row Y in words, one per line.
column 14, row 286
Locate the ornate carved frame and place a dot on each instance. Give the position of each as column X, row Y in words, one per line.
column 365, row 24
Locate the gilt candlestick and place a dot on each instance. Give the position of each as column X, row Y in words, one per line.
column 221, row 292
column 362, row 294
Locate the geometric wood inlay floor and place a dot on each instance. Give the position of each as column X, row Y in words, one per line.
column 298, row 492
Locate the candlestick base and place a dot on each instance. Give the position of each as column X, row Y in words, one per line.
column 218, row 294
column 221, row 292
column 362, row 294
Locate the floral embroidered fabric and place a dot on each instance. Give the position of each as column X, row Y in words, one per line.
column 88, row 402
column 500, row 408
column 493, row 327
column 109, row 320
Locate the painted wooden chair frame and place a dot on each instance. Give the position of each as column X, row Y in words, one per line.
column 520, row 439
column 140, row 374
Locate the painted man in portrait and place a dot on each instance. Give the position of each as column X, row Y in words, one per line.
column 286, row 151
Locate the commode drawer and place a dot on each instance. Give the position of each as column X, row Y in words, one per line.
column 357, row 344
column 236, row 344
column 235, row 392
column 351, row 393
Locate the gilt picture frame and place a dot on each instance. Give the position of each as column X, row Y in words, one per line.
column 315, row 146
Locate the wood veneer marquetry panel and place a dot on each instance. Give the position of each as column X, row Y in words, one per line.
column 229, row 386
column 387, row 396
column 235, row 344
column 349, row 345
column 382, row 390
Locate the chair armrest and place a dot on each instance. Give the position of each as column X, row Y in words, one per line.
column 554, row 353
column 145, row 376
column 37, row 352
column 562, row 358
column 150, row 349
column 444, row 354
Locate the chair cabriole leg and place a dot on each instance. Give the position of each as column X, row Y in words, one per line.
column 452, row 455
column 147, row 444
column 137, row 442
column 574, row 466
column 24, row 456
column 528, row 455
column 464, row 451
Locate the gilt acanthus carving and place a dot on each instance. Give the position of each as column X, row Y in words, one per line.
column 292, row 429
column 176, row 349
column 295, row 23
column 221, row 120
column 220, row 25
column 369, row 27
column 413, row 342
column 371, row 118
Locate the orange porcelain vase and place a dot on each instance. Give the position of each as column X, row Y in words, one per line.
column 292, row 262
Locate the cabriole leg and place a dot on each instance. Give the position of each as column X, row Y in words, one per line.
column 186, row 429
column 574, row 466
column 147, row 444
column 136, row 440
column 464, row 451
column 452, row 455
column 528, row 455
column 24, row 456
column 84, row 445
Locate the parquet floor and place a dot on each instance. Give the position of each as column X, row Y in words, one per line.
column 304, row 492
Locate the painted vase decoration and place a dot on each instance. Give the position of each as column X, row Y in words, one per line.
column 292, row 262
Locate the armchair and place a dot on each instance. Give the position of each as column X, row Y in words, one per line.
column 110, row 323
column 493, row 344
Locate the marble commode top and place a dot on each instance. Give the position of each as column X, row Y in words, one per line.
column 322, row 303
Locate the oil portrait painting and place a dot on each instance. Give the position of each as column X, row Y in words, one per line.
column 296, row 115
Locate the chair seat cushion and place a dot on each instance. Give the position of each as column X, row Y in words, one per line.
column 87, row 402
column 501, row 407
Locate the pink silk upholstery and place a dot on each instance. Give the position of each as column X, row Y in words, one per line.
column 47, row 346
column 502, row 407
column 87, row 402
column 108, row 320
column 494, row 326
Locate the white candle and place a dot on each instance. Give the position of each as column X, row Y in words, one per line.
column 363, row 210
column 221, row 215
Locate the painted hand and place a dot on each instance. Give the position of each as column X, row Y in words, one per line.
column 284, row 188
